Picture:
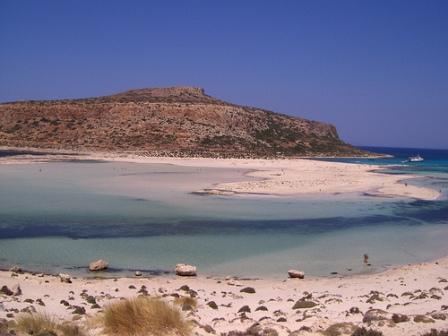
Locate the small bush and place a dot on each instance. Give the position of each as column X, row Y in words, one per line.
column 367, row 332
column 144, row 316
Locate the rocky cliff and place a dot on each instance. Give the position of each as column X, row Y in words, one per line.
column 165, row 121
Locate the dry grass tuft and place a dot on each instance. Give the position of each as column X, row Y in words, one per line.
column 69, row 329
column 187, row 300
column 35, row 324
column 144, row 316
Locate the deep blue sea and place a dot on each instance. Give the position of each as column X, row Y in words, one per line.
column 435, row 160
column 60, row 215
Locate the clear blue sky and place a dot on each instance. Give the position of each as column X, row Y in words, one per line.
column 376, row 69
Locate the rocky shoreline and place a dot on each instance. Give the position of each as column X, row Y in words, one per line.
column 407, row 300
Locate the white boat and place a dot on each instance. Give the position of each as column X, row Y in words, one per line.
column 416, row 158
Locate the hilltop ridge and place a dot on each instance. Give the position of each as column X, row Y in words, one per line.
column 173, row 121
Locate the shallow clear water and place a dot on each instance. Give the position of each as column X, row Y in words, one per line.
column 62, row 215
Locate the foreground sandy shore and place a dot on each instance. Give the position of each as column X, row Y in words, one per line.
column 416, row 294
column 280, row 177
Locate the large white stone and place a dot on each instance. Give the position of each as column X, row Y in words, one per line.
column 98, row 265
column 65, row 278
column 296, row 274
column 186, row 270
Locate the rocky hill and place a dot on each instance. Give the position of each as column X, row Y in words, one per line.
column 165, row 121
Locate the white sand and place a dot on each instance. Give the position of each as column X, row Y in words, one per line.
column 299, row 177
column 334, row 297
column 283, row 177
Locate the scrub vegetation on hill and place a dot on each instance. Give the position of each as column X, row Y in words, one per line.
column 177, row 121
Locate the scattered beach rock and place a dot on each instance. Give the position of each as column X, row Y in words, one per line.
column 421, row 296
column 212, row 304
column 91, row 299
column 375, row 315
column 249, row 290
column 302, row 304
column 185, row 270
column 184, row 288
column 423, row 319
column 207, row 328
column 439, row 316
column 65, row 278
column 16, row 269
column 295, row 274
column 400, row 318
column 16, row 290
column 244, row 309
column 6, row 291
column 79, row 310
column 143, row 290
column 375, row 296
column 138, row 273
column 305, row 329
column 261, row 308
column 354, row 310
column 98, row 265
column 29, row 309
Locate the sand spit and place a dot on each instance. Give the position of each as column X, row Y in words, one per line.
column 281, row 177
column 414, row 293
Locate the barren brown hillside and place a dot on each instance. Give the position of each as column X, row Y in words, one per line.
column 165, row 121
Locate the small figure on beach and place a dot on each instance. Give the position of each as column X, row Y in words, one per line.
column 366, row 259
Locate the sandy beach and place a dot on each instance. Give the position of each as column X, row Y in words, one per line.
column 281, row 177
column 224, row 168
column 407, row 300
column 289, row 177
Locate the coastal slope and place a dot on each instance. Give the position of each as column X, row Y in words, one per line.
column 176, row 121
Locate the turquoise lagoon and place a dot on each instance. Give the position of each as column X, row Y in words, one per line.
column 58, row 216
